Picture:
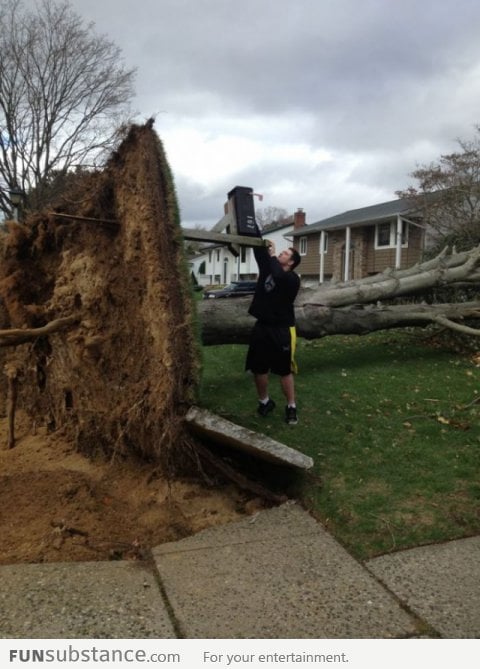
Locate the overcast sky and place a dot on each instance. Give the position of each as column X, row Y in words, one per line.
column 327, row 105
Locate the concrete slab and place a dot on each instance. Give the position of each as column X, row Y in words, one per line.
column 441, row 583
column 76, row 600
column 276, row 575
column 214, row 427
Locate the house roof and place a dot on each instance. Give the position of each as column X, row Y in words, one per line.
column 356, row 217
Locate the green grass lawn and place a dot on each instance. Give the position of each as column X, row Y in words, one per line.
column 392, row 424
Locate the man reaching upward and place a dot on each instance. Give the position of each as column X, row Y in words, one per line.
column 272, row 341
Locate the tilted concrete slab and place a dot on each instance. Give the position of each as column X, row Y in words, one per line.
column 276, row 575
column 81, row 600
column 218, row 429
column 440, row 583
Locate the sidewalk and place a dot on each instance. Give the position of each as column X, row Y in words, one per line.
column 278, row 574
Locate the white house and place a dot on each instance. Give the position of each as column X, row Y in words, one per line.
column 215, row 264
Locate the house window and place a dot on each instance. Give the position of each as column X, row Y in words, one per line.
column 210, row 256
column 303, row 246
column 243, row 254
column 218, row 254
column 383, row 235
column 386, row 233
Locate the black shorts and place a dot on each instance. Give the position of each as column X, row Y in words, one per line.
column 271, row 349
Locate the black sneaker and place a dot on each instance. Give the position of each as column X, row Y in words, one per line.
column 264, row 409
column 291, row 415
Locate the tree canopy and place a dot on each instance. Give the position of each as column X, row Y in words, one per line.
column 447, row 194
column 64, row 92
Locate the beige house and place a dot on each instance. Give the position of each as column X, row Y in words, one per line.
column 386, row 235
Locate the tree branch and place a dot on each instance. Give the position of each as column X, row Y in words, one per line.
column 458, row 327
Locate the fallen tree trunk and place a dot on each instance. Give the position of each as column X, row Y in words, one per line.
column 355, row 307
column 228, row 322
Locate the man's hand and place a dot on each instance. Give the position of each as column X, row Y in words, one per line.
column 271, row 247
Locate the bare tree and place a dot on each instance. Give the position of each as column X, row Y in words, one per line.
column 63, row 93
column 447, row 195
column 269, row 216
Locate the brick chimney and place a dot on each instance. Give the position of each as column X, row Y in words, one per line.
column 298, row 219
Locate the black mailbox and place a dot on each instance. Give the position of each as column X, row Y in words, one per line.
column 242, row 198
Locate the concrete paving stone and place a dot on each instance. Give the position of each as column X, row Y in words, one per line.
column 109, row 600
column 280, row 576
column 440, row 583
column 290, row 521
column 217, row 428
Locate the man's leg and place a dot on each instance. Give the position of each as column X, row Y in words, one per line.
column 261, row 384
column 288, row 387
column 265, row 404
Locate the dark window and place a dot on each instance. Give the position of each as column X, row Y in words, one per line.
column 383, row 234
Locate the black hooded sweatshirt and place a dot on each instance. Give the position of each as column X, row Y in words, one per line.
column 276, row 291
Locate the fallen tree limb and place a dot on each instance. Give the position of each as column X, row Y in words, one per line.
column 443, row 270
column 458, row 327
column 14, row 337
column 315, row 322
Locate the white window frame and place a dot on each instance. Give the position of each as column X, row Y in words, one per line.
column 393, row 235
column 303, row 245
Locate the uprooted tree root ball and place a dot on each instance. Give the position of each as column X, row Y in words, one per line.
column 120, row 378
column 111, row 375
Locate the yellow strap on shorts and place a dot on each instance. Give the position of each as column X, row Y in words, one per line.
column 293, row 345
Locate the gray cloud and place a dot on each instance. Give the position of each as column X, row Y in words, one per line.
column 326, row 105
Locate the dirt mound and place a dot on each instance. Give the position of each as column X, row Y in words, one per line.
column 57, row 505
